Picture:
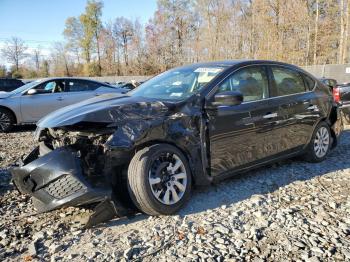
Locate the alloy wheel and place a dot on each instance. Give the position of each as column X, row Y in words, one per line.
column 321, row 142
column 168, row 178
column 5, row 121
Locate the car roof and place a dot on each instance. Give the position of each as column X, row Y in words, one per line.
column 230, row 63
column 9, row 78
column 69, row 78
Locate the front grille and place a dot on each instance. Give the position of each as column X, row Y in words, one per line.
column 63, row 187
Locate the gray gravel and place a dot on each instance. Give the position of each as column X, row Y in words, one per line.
column 291, row 211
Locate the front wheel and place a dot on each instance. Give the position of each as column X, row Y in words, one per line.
column 159, row 179
column 7, row 120
column 320, row 144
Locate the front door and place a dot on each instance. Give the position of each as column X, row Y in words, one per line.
column 241, row 135
column 49, row 97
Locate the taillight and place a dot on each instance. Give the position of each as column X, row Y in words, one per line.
column 336, row 94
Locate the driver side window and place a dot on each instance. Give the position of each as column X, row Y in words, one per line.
column 56, row 86
column 252, row 82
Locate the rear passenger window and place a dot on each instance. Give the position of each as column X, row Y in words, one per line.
column 251, row 82
column 288, row 81
column 309, row 82
column 81, row 85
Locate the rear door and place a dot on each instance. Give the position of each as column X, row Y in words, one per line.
column 243, row 135
column 49, row 97
column 299, row 107
column 79, row 90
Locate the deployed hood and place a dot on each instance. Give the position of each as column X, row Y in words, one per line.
column 109, row 108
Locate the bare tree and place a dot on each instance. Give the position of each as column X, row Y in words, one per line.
column 302, row 32
column 345, row 47
column 60, row 59
column 123, row 30
column 14, row 51
column 316, row 30
column 36, row 58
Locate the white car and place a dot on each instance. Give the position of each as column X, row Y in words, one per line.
column 30, row 102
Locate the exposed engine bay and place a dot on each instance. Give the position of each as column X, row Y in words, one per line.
column 80, row 161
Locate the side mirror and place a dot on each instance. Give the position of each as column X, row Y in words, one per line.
column 32, row 92
column 228, row 98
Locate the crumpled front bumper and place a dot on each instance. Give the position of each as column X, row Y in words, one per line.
column 56, row 180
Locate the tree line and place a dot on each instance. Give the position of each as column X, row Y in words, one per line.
column 302, row 32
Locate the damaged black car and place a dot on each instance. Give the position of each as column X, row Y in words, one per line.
column 191, row 125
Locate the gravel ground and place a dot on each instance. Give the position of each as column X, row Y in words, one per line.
column 291, row 211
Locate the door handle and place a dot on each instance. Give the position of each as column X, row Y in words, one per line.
column 270, row 115
column 60, row 98
column 312, row 107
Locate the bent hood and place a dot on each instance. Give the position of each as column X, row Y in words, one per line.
column 109, row 108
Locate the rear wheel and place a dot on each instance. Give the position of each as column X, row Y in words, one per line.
column 320, row 143
column 7, row 120
column 159, row 179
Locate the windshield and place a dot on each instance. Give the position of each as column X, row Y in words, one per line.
column 26, row 86
column 177, row 84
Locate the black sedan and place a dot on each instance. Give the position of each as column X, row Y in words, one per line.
column 191, row 125
column 9, row 84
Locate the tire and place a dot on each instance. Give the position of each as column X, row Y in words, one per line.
column 320, row 144
column 7, row 120
column 167, row 169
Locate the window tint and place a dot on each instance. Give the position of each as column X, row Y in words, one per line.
column 3, row 83
column 15, row 83
column 288, row 81
column 251, row 82
column 309, row 82
column 11, row 83
column 81, row 85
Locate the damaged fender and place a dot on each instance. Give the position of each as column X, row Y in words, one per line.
column 83, row 147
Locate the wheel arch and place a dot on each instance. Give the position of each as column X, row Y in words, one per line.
column 330, row 120
column 11, row 111
column 119, row 171
column 185, row 152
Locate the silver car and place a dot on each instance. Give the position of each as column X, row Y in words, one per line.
column 28, row 103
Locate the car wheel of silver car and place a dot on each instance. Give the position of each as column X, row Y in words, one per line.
column 7, row 120
column 320, row 143
column 159, row 179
